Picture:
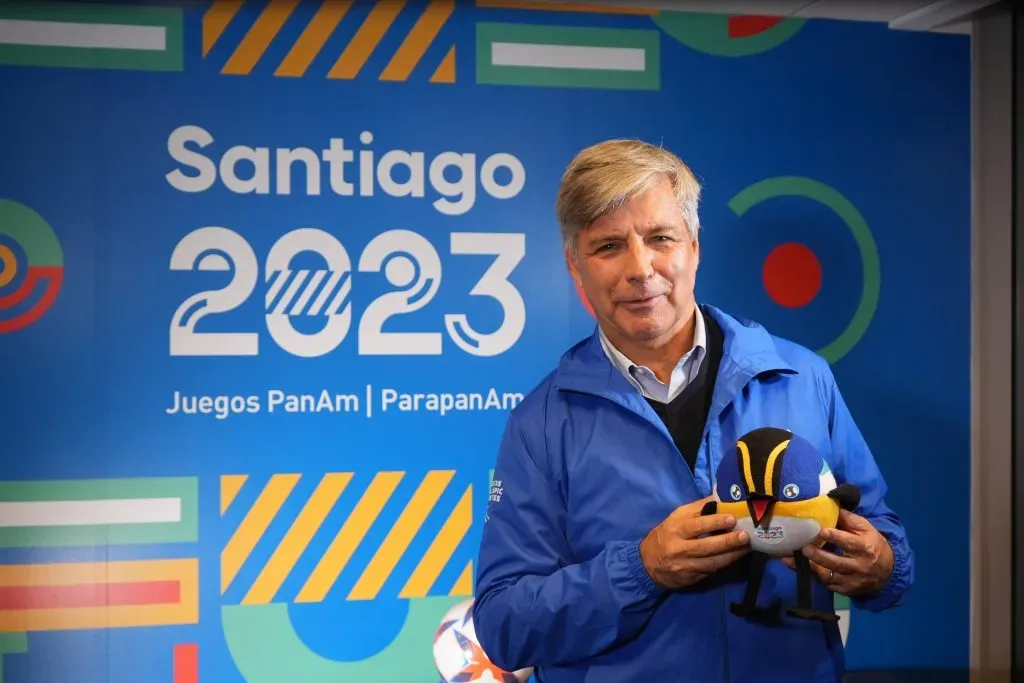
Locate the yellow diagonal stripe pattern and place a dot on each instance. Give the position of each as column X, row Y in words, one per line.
column 366, row 39
column 216, row 20
column 313, row 38
column 401, row 535
column 315, row 35
column 464, row 584
column 252, row 528
column 259, row 37
column 419, row 39
column 442, row 549
column 230, row 485
column 445, row 72
column 281, row 563
column 348, row 538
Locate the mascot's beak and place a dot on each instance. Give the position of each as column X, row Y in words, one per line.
column 760, row 508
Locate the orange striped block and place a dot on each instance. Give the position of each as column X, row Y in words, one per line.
column 86, row 595
column 262, row 31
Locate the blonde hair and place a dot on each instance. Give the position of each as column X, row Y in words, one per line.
column 604, row 176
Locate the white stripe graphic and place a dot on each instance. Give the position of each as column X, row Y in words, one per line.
column 68, row 34
column 339, row 298
column 307, row 293
column 568, row 56
column 86, row 512
column 289, row 294
column 321, row 298
column 279, row 277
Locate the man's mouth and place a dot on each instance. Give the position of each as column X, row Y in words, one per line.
column 641, row 301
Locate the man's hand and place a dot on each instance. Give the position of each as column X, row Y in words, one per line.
column 678, row 553
column 866, row 561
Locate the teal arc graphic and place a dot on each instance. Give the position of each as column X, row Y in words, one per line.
column 785, row 186
column 711, row 34
column 266, row 649
column 32, row 233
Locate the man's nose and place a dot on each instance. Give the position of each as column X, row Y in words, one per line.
column 640, row 265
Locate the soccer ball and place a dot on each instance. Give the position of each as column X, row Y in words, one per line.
column 458, row 655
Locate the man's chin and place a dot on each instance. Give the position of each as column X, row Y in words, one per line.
column 644, row 330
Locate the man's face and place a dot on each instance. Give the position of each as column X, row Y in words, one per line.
column 637, row 267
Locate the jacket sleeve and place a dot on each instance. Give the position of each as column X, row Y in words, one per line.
column 535, row 604
column 857, row 466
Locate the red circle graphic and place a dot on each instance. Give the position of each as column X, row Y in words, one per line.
column 792, row 275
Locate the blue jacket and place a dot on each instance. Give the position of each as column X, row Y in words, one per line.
column 586, row 468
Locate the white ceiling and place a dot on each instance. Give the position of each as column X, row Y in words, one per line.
column 946, row 16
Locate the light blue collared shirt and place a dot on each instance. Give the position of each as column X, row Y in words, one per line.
column 644, row 379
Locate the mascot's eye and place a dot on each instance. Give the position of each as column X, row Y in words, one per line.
column 791, row 491
column 735, row 492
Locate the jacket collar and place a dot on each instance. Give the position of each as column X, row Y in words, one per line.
column 749, row 350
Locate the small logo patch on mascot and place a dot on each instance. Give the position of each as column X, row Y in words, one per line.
column 773, row 534
column 791, row 491
column 735, row 492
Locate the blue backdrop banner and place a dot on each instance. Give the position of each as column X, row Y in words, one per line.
column 272, row 274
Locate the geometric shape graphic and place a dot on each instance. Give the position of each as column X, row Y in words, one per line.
column 91, row 36
column 415, row 45
column 24, row 231
column 808, row 188
column 728, row 36
column 252, row 528
column 568, row 56
column 441, row 550
column 98, row 512
column 11, row 644
column 348, row 538
column 313, row 37
column 553, row 6
column 186, row 663
column 418, row 579
column 230, row 485
column 464, row 584
column 792, row 275
column 445, row 71
column 401, row 535
column 252, row 48
column 266, row 649
column 841, row 604
column 287, row 553
column 88, row 595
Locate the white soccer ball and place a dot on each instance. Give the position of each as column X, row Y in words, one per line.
column 458, row 655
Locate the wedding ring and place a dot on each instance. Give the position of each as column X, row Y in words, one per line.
column 831, row 573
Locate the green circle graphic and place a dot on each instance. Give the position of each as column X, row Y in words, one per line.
column 709, row 33
column 842, row 207
column 27, row 228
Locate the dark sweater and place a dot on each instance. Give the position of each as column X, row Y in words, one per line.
column 686, row 415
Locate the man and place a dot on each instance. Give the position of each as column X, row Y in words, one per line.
column 596, row 564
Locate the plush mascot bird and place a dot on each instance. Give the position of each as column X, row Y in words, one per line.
column 782, row 493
